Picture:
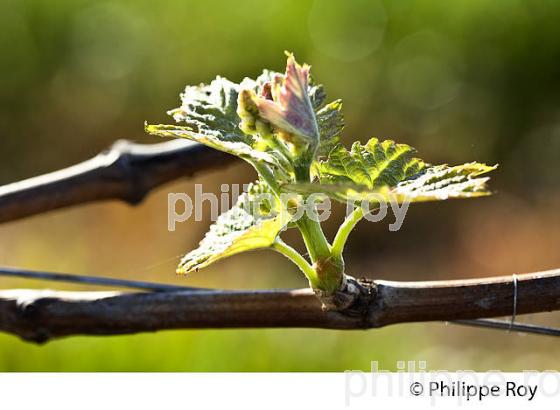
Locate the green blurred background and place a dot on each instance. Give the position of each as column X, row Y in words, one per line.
column 463, row 80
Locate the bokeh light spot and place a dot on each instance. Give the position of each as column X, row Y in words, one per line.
column 347, row 31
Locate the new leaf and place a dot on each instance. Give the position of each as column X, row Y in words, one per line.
column 389, row 171
column 252, row 223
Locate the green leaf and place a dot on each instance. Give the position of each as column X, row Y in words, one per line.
column 208, row 115
column 252, row 223
column 238, row 148
column 391, row 172
column 331, row 122
column 316, row 93
column 373, row 165
column 441, row 182
column 211, row 109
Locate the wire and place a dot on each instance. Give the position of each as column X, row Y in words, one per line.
column 507, row 325
column 510, row 325
column 514, row 313
column 92, row 280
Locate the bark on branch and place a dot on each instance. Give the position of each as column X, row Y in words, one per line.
column 42, row 315
column 126, row 172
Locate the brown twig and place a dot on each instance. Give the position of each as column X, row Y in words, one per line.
column 42, row 315
column 126, row 172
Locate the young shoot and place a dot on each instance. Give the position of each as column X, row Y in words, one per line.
column 282, row 125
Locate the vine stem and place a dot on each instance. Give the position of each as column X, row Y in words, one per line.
column 280, row 246
column 266, row 174
column 126, row 171
column 311, row 230
column 345, row 229
column 314, row 238
column 42, row 315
